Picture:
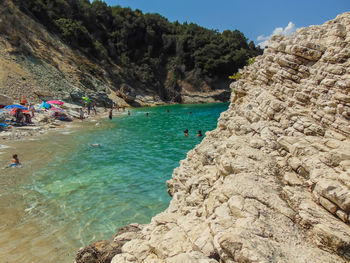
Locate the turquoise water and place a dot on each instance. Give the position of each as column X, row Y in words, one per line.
column 89, row 192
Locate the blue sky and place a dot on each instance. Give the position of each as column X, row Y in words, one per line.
column 252, row 17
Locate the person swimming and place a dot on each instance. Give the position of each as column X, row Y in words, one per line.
column 186, row 132
column 199, row 134
column 14, row 161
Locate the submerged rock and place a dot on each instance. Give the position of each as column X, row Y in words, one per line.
column 271, row 183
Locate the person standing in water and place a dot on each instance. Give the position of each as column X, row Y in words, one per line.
column 199, row 133
column 93, row 105
column 110, row 116
column 15, row 161
column 146, row 114
column 81, row 112
column 186, row 132
column 88, row 106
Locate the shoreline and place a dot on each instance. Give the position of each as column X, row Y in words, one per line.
column 34, row 132
column 43, row 128
column 34, row 154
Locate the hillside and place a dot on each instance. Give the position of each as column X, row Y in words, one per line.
column 36, row 64
column 67, row 49
column 271, row 183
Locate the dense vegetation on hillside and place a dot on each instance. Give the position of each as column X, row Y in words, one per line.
column 143, row 44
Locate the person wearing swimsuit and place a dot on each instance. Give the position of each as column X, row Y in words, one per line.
column 15, row 161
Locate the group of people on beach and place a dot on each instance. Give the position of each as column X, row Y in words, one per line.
column 90, row 106
column 21, row 116
column 117, row 107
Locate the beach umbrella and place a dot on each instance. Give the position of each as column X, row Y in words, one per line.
column 86, row 99
column 13, row 111
column 57, row 102
column 56, row 109
column 44, row 105
column 15, row 106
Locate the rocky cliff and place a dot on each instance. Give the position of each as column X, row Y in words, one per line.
column 272, row 182
column 37, row 64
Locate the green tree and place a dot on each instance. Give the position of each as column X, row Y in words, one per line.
column 144, row 45
column 74, row 33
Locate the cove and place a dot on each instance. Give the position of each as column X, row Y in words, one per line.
column 86, row 193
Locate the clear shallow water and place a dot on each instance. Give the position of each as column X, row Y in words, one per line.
column 86, row 193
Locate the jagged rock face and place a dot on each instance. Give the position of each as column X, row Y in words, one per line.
column 271, row 183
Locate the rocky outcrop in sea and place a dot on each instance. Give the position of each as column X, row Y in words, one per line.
column 272, row 182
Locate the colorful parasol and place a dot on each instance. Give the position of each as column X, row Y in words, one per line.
column 15, row 106
column 56, row 109
column 86, row 99
column 44, row 105
column 13, row 111
column 57, row 102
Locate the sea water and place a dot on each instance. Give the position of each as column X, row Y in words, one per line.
column 86, row 192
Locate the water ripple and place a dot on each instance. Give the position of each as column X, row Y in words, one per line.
column 91, row 191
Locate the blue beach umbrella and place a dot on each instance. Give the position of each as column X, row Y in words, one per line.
column 45, row 105
column 10, row 107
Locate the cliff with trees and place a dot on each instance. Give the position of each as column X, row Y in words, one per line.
column 98, row 50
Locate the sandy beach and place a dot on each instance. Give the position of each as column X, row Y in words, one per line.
column 24, row 237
